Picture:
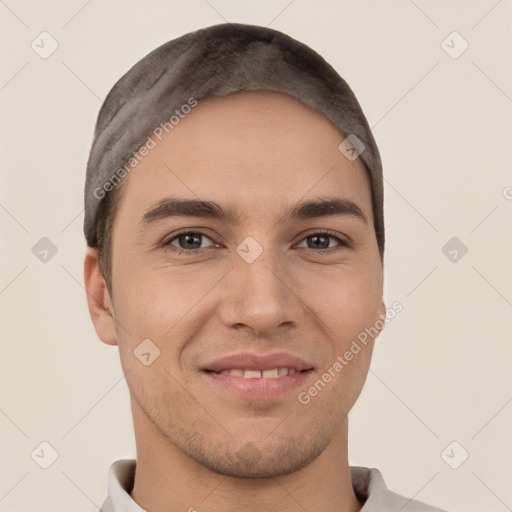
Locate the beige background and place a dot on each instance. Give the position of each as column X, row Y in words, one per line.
column 441, row 370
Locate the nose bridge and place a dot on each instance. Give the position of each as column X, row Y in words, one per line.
column 261, row 296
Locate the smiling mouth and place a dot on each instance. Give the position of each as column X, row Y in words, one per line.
column 273, row 373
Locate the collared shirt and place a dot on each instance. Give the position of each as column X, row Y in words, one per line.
column 368, row 485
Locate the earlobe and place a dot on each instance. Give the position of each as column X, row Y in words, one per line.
column 98, row 298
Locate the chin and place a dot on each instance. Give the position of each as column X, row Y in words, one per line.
column 264, row 460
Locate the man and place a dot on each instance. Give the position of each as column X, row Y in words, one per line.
column 234, row 217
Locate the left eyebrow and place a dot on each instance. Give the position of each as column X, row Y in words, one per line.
column 324, row 207
column 177, row 207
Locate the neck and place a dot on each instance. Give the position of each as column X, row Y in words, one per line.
column 166, row 480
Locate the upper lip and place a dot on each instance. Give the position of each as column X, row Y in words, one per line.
column 252, row 361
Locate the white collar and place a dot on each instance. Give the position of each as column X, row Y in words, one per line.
column 368, row 484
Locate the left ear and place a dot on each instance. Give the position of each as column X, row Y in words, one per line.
column 382, row 315
column 383, row 310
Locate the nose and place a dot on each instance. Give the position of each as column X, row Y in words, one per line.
column 260, row 296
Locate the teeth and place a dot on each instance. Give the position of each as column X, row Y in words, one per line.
column 258, row 374
column 252, row 374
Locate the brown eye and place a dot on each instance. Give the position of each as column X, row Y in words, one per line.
column 189, row 241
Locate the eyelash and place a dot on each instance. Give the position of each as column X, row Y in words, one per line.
column 178, row 250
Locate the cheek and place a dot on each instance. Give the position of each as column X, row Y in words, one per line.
column 165, row 305
column 345, row 302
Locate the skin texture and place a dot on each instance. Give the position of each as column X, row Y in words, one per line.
column 197, row 445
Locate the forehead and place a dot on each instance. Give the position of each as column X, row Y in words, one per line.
column 246, row 150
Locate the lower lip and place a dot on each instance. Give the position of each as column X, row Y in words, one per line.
column 258, row 389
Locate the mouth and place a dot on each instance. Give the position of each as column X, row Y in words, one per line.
column 257, row 377
column 272, row 373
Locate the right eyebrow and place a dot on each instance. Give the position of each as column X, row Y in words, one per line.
column 176, row 207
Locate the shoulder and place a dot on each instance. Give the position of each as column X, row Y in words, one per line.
column 107, row 506
column 370, row 488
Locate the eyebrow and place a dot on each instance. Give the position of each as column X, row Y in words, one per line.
column 177, row 207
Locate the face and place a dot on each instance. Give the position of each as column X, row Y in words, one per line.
column 271, row 289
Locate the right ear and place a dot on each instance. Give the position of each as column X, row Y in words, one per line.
column 98, row 298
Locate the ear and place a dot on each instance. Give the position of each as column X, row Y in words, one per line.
column 98, row 298
column 383, row 309
column 382, row 315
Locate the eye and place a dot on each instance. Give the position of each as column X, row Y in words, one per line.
column 322, row 241
column 188, row 242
